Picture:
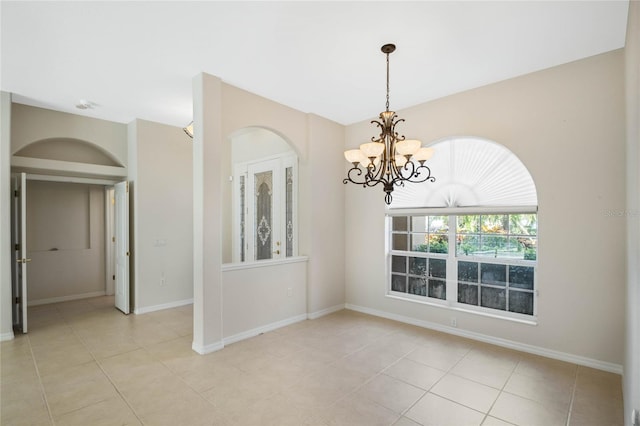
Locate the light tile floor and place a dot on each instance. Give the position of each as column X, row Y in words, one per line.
column 84, row 363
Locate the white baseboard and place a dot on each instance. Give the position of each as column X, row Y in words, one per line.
column 147, row 309
column 207, row 349
column 323, row 312
column 6, row 336
column 263, row 329
column 523, row 347
column 65, row 298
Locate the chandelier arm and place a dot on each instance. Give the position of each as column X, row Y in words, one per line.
column 352, row 176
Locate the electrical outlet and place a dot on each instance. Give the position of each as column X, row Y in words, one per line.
column 635, row 417
column 289, row 292
column 454, row 322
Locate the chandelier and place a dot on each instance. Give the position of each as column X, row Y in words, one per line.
column 389, row 159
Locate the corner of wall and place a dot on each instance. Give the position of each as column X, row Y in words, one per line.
column 6, row 321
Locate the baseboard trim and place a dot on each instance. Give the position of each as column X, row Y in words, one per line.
column 65, row 298
column 6, row 336
column 147, row 309
column 327, row 311
column 523, row 347
column 207, row 349
column 263, row 329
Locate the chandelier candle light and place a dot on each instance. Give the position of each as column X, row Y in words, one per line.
column 388, row 159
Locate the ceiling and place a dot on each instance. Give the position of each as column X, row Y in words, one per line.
column 138, row 59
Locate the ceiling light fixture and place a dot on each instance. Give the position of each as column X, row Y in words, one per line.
column 189, row 130
column 388, row 159
column 84, row 104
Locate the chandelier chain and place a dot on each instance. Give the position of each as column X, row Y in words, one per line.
column 387, row 105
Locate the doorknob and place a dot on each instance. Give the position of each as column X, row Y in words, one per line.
column 23, row 260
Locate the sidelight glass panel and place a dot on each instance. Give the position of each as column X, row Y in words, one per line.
column 263, row 218
column 289, row 211
column 242, row 219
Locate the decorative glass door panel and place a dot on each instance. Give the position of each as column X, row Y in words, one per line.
column 264, row 238
column 263, row 223
column 265, row 226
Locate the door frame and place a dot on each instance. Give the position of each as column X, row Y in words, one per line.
column 109, row 226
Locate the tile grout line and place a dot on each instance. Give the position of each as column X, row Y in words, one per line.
column 78, row 336
column 573, row 395
column 502, row 390
column 435, row 383
column 44, row 393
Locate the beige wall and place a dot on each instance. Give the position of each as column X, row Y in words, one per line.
column 162, row 215
column 65, row 240
column 235, row 109
column 32, row 124
column 318, row 142
column 566, row 124
column 632, row 78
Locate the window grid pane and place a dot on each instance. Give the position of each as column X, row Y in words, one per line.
column 508, row 236
column 493, row 284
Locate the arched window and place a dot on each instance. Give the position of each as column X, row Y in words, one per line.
column 469, row 240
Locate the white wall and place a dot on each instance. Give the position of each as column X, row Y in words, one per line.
column 163, row 211
column 566, row 124
column 6, row 321
column 632, row 352
column 65, row 240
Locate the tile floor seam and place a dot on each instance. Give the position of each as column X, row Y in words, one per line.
column 42, row 389
column 115, row 387
column 573, row 395
column 501, row 391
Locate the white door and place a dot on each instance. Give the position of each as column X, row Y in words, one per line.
column 263, row 219
column 121, row 191
column 19, row 232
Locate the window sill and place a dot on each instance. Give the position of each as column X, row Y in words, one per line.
column 262, row 263
column 445, row 305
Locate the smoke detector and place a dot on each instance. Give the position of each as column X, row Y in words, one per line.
column 84, row 104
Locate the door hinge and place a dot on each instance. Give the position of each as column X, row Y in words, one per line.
column 16, row 193
column 127, row 186
column 17, row 300
column 113, row 277
column 113, row 239
column 17, row 247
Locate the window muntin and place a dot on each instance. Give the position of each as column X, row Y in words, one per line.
column 496, row 274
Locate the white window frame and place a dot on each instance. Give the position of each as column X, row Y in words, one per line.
column 451, row 301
